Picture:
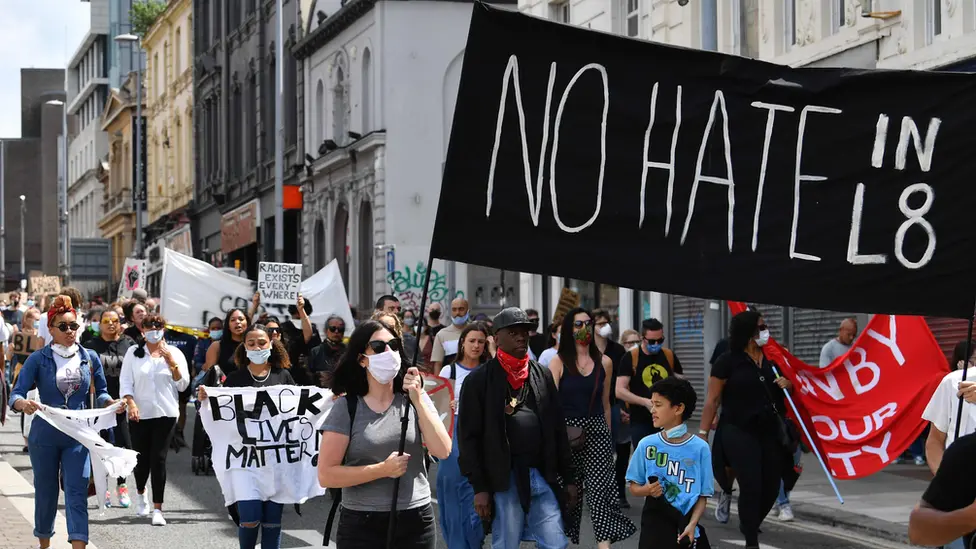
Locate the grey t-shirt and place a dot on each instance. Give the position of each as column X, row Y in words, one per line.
column 831, row 350
column 375, row 437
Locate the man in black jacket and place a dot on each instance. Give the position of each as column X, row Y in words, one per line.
column 513, row 444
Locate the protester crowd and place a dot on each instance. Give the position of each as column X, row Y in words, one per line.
column 544, row 419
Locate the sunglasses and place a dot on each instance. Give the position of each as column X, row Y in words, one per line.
column 155, row 325
column 762, row 327
column 380, row 346
column 658, row 341
column 581, row 323
column 273, row 331
column 631, row 342
column 110, row 322
column 65, row 327
column 337, row 329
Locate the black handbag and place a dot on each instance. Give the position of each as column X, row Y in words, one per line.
column 785, row 432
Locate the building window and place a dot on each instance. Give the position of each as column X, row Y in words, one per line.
column 789, row 25
column 746, row 15
column 933, row 20
column 251, row 142
column 271, row 126
column 156, row 87
column 835, row 14
column 367, row 101
column 340, row 107
column 560, row 12
column 179, row 152
column 178, row 53
column 319, row 115
column 709, row 25
column 204, row 25
column 237, row 139
column 633, row 18
column 319, row 244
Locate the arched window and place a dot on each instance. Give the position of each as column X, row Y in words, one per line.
column 340, row 107
column 339, row 233
column 319, row 245
column 319, row 116
column 365, row 255
column 367, row 99
column 179, row 154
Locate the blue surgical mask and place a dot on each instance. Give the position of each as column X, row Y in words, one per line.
column 37, row 324
column 653, row 349
column 154, row 336
column 258, row 356
column 216, row 334
column 95, row 328
column 461, row 320
column 30, row 303
column 677, row 432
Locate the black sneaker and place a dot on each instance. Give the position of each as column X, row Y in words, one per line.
column 624, row 504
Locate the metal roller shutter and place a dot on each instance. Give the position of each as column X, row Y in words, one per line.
column 811, row 329
column 948, row 332
column 688, row 342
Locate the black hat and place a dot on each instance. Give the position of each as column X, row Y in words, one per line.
column 511, row 317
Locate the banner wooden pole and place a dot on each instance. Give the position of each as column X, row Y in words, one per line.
column 965, row 369
column 813, row 445
column 391, row 529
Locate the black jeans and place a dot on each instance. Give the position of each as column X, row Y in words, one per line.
column 367, row 529
column 757, row 461
column 151, row 438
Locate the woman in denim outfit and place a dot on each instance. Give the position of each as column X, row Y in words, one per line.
column 64, row 373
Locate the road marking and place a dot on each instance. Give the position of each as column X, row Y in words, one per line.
column 742, row 543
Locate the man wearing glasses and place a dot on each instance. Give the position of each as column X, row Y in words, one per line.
column 323, row 358
column 638, row 370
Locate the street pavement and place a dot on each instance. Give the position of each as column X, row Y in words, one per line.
column 196, row 516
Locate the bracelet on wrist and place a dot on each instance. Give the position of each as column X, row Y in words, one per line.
column 704, row 432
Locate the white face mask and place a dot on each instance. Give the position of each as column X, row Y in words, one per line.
column 154, row 336
column 630, row 348
column 763, row 338
column 605, row 331
column 384, row 366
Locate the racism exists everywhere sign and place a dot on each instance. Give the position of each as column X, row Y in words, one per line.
column 698, row 173
column 279, row 283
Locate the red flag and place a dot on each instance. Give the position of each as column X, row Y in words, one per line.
column 865, row 409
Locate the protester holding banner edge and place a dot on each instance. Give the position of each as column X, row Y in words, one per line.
column 359, row 446
column 77, row 376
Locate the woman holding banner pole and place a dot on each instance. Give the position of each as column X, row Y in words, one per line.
column 753, row 436
column 153, row 375
column 262, row 362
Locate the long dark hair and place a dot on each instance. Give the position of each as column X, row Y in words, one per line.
column 350, row 376
column 226, row 338
column 279, row 356
column 474, row 327
column 742, row 329
column 567, row 343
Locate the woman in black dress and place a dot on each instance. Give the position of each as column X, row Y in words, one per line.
column 221, row 352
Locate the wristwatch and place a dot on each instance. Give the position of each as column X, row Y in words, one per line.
column 703, row 432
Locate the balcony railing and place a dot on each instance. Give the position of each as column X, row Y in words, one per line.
column 117, row 202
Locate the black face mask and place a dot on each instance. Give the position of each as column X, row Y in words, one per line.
column 435, row 315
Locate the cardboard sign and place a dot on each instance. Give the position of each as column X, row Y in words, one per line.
column 23, row 344
column 279, row 283
column 45, row 285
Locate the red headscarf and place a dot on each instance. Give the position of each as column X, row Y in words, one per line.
column 516, row 369
column 61, row 305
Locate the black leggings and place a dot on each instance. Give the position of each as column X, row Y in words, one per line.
column 757, row 462
column 151, row 438
column 620, row 474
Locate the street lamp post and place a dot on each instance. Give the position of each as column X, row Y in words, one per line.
column 64, row 257
column 279, row 173
column 140, row 184
column 23, row 264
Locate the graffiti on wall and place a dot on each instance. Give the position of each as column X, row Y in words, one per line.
column 408, row 286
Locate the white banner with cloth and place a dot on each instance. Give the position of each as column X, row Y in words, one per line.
column 107, row 461
column 193, row 292
column 266, row 441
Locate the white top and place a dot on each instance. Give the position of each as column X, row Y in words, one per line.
column 43, row 332
column 546, row 357
column 462, row 372
column 943, row 407
column 68, row 376
column 149, row 382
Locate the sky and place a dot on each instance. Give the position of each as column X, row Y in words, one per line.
column 40, row 34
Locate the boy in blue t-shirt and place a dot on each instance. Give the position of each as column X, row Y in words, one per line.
column 672, row 470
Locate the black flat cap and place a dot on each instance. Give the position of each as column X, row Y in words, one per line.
column 512, row 317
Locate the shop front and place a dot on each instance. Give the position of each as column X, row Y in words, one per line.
column 239, row 239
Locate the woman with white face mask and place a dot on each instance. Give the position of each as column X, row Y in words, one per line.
column 360, row 442
column 262, row 361
column 153, row 374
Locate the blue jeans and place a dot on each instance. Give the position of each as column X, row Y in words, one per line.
column 784, row 496
column 58, row 452
column 267, row 515
column 543, row 524
column 459, row 522
column 957, row 544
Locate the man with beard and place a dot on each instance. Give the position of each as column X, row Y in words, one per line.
column 323, row 359
column 513, row 443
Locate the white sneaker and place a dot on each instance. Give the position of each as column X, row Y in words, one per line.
column 786, row 513
column 157, row 518
column 142, row 505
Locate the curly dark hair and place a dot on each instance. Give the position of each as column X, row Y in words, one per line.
column 677, row 391
column 279, row 356
column 350, row 376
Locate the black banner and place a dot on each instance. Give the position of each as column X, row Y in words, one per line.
column 139, row 184
column 597, row 157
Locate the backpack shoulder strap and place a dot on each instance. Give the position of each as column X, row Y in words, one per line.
column 352, row 402
column 634, row 357
column 669, row 355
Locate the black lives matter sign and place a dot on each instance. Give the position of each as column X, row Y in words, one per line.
column 608, row 159
column 279, row 283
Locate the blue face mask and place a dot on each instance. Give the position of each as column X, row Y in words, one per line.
column 30, row 303
column 216, row 334
column 677, row 432
column 461, row 320
column 259, row 356
column 95, row 328
column 37, row 324
column 653, row 349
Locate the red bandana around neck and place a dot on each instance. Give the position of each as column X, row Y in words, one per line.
column 516, row 369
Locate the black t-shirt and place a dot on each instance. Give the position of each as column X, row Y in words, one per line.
column 539, row 343
column 614, row 352
column 325, row 357
column 650, row 370
column 524, row 433
column 745, row 403
column 720, row 349
column 13, row 317
column 243, row 378
column 186, row 343
column 111, row 353
column 954, row 485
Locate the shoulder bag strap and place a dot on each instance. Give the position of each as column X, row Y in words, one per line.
column 352, row 403
column 769, row 395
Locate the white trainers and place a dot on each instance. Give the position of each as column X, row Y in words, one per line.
column 157, row 518
column 786, row 513
column 142, row 505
